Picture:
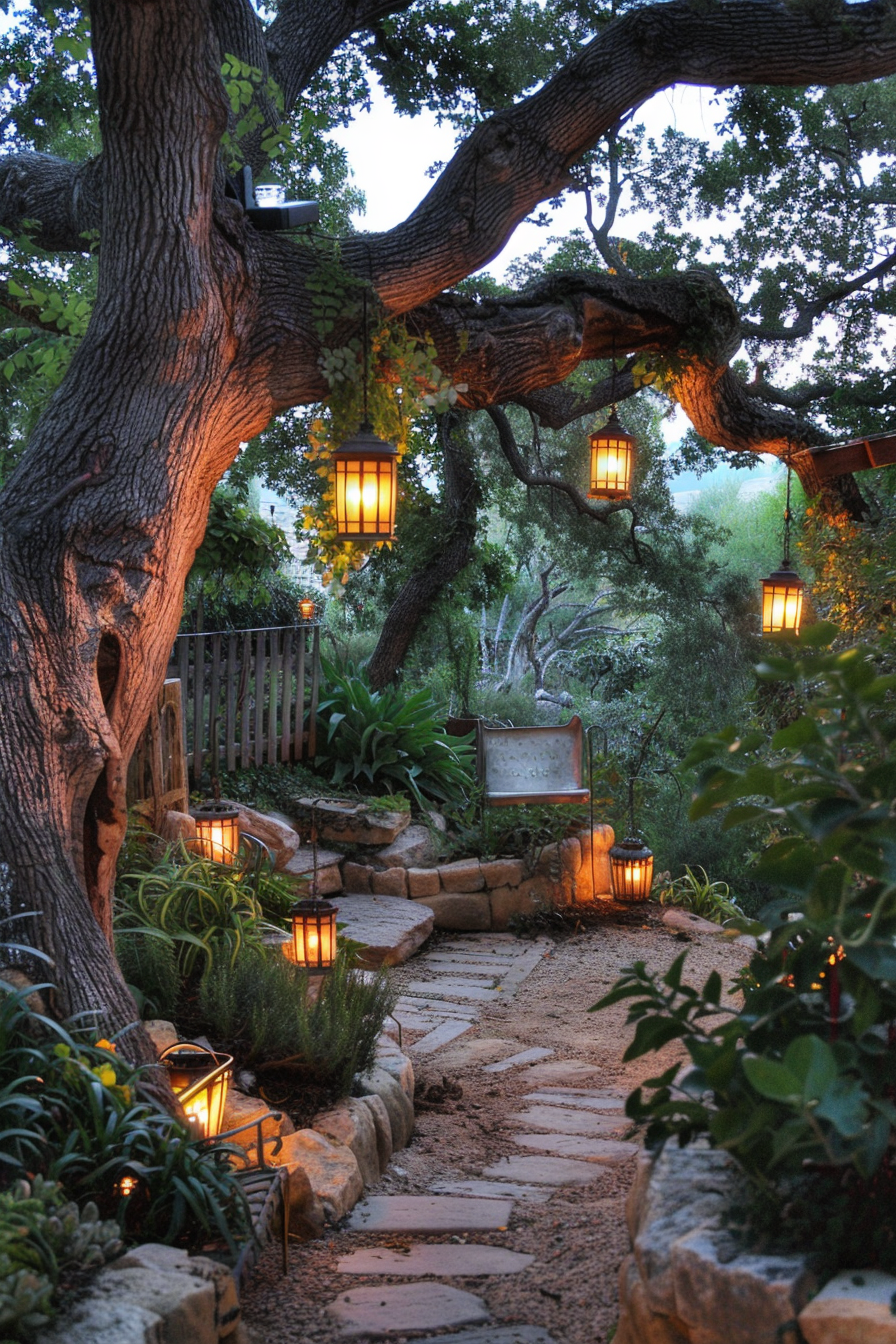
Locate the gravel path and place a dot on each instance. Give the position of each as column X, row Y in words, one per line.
column 470, row 1118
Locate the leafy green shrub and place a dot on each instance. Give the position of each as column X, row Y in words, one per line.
column 799, row 1084
column 45, row 1243
column 521, row 832
column 709, row 900
column 260, row 1006
column 71, row 1113
column 387, row 739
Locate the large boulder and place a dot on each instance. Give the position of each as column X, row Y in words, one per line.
column 277, row 834
column 400, row 1110
column 414, row 848
column 351, row 1123
column 331, row 1168
column 346, row 823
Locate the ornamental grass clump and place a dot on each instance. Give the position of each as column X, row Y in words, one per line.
column 693, row 891
column 260, row 1006
column 799, row 1083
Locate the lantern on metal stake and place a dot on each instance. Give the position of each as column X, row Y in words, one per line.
column 631, row 862
column 199, row 1078
column 782, row 591
column 366, row 478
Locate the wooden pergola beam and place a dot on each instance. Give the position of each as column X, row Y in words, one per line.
column 816, row 466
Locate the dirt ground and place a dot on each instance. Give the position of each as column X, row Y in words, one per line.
column 579, row 1236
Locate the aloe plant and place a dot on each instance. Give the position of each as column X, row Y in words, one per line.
column 710, row 900
column 379, row 738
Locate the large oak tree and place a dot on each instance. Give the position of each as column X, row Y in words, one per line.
column 202, row 331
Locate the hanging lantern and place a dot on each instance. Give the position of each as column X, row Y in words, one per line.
column 366, row 488
column 612, row 459
column 782, row 591
column 314, row 934
column 782, row 601
column 217, row 830
column 199, row 1079
column 631, row 869
column 307, row 608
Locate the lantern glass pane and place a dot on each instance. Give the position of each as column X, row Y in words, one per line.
column 782, row 607
column 632, row 877
column 611, row 467
column 365, row 496
column 314, row 939
column 219, row 838
column 201, row 1091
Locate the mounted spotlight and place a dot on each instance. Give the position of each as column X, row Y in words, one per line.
column 266, row 205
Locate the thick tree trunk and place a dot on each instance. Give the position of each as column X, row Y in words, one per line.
column 421, row 590
column 103, row 516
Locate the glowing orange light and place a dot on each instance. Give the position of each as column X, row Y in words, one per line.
column 314, row 934
column 366, row 488
column 217, row 831
column 782, row 602
column 631, row 870
column 612, row 459
column 199, row 1079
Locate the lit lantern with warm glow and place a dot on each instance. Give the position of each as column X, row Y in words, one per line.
column 366, row 488
column 782, row 602
column 217, row 831
column 612, row 458
column 199, row 1079
column 126, row 1186
column 314, row 934
column 307, row 608
column 631, row 870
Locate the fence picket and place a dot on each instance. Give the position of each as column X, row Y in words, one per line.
column 196, row 758
column 245, row 700
column 285, row 697
column 260, row 645
column 299, row 740
column 230, row 711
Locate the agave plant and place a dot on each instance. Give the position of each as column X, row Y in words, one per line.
column 379, row 738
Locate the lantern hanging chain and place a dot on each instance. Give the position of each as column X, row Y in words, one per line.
column 365, row 426
column 787, row 513
column 613, row 378
column 314, row 804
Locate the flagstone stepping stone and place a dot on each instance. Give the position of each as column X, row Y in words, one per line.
column 561, row 1071
column 390, row 927
column 500, row 1334
column 559, row 1121
column 529, row 1194
column 431, row 1213
column 478, row 1050
column 487, row 971
column 451, row 989
column 592, row 1101
column 439, row 1036
column 436, row 1009
column 574, row 1145
column 543, row 1170
column 524, row 1057
column 397, row 1308
column 447, row 1262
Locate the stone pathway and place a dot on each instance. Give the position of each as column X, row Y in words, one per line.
column 570, row 1125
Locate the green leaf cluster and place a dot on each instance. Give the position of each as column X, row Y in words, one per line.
column 390, row 740
column 803, row 1075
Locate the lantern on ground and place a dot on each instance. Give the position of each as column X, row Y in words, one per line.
column 366, row 470
column 199, row 1078
column 217, row 830
column 314, row 934
column 631, row 869
column 612, row 460
column 307, row 608
column 782, row 591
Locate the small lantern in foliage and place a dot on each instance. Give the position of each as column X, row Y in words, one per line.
column 314, row 934
column 199, row 1079
column 612, row 460
column 631, row 869
column 307, row 609
column 782, row 601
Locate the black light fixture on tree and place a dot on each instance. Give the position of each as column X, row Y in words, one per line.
column 612, row 457
column 366, row 477
column 782, row 591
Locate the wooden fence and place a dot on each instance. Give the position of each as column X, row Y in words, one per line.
column 157, row 775
column 249, row 696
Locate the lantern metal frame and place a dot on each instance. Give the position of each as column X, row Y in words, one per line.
column 317, row 916
column 615, row 443
column 631, row 869
column 214, row 1084
column 782, row 591
column 217, row 812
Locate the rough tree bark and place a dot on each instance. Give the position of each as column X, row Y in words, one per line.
column 202, row 332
